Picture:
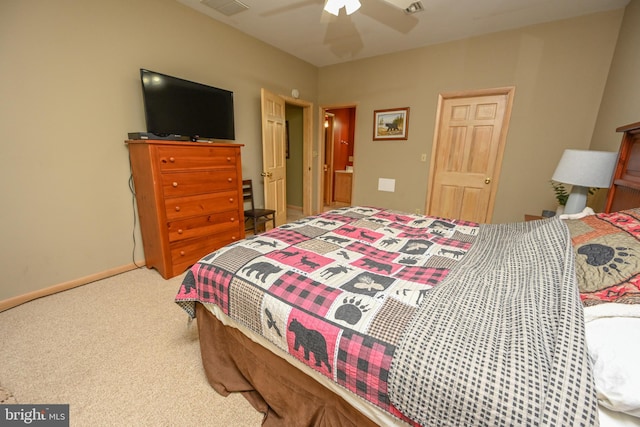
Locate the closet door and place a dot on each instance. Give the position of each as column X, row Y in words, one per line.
column 469, row 141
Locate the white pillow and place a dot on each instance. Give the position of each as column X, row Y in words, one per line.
column 610, row 418
column 613, row 341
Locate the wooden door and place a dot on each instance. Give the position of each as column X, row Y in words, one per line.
column 470, row 135
column 274, row 154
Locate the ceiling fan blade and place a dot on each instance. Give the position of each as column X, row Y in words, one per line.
column 389, row 15
column 343, row 37
column 327, row 18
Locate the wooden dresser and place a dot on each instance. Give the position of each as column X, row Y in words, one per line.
column 189, row 198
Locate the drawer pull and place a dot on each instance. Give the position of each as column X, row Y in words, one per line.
column 181, row 253
column 177, row 208
column 230, row 179
column 172, row 159
column 230, row 199
column 180, row 231
column 228, row 159
column 232, row 219
column 174, row 183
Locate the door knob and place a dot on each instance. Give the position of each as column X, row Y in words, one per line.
column 487, row 180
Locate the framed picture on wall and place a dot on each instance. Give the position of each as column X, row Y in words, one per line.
column 391, row 124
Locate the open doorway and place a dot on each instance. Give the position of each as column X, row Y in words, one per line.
column 274, row 152
column 338, row 159
column 299, row 155
column 294, row 149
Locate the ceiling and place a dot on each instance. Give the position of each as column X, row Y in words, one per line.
column 303, row 29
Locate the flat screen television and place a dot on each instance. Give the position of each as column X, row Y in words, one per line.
column 179, row 107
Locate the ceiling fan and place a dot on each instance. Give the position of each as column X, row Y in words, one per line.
column 396, row 14
column 334, row 6
column 342, row 35
column 405, row 7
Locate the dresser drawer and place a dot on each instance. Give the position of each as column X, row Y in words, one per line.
column 203, row 157
column 184, row 254
column 201, row 204
column 203, row 225
column 176, row 184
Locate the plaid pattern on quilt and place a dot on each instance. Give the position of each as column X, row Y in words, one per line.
column 510, row 349
column 335, row 290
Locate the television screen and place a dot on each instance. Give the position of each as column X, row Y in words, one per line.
column 174, row 106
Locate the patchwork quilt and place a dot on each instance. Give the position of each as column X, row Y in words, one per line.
column 337, row 291
column 334, row 290
column 607, row 251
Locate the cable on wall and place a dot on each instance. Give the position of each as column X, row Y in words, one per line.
column 135, row 214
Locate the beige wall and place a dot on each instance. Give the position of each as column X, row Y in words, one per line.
column 621, row 101
column 70, row 93
column 559, row 71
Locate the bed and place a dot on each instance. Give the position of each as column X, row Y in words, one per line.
column 367, row 316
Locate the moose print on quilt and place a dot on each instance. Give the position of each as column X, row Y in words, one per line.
column 335, row 290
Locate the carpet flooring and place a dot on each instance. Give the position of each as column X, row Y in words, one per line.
column 119, row 351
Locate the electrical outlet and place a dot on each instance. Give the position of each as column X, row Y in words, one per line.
column 418, row 211
column 423, row 157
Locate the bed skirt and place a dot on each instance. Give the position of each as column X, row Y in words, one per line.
column 287, row 396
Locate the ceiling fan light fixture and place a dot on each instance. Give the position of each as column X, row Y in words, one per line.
column 351, row 6
column 334, row 6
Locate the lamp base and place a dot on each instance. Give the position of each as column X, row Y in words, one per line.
column 577, row 200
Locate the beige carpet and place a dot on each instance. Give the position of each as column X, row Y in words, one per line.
column 119, row 351
column 6, row 397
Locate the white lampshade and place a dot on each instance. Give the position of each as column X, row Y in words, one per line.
column 334, row 6
column 584, row 169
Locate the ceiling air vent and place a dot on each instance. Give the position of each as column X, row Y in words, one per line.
column 414, row 8
column 226, row 7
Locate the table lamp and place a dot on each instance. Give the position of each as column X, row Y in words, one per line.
column 584, row 169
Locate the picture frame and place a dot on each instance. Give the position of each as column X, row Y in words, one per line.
column 391, row 124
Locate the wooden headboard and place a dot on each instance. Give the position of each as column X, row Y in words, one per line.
column 625, row 189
